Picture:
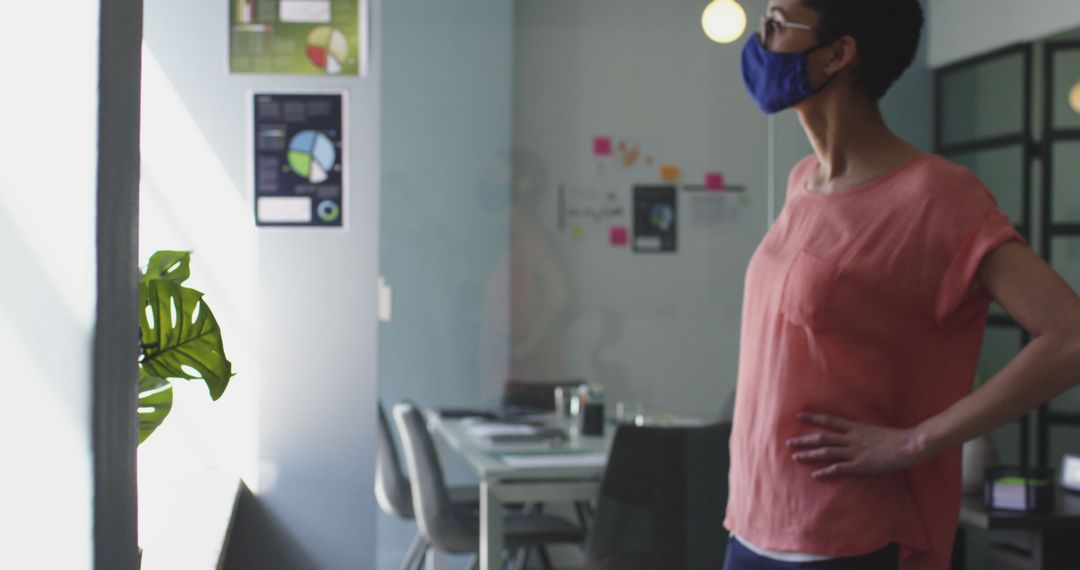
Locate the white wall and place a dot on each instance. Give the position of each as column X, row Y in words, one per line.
column 296, row 306
column 964, row 28
column 47, row 296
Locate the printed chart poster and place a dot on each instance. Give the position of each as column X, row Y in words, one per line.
column 655, row 219
column 591, row 209
column 299, row 155
column 316, row 37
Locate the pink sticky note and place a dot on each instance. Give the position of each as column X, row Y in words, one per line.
column 619, row 236
column 714, row 181
column 601, row 146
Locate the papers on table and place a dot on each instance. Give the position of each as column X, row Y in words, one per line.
column 490, row 430
column 668, row 421
column 537, row 460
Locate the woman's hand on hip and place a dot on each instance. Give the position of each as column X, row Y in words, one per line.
column 847, row 447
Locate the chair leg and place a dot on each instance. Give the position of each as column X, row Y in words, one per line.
column 422, row 557
column 521, row 559
column 415, row 549
column 581, row 510
column 545, row 560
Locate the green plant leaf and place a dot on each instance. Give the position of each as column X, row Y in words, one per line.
column 180, row 336
column 174, row 266
column 155, row 402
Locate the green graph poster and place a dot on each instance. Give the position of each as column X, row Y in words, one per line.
column 310, row 37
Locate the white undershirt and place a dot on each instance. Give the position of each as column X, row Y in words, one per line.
column 781, row 555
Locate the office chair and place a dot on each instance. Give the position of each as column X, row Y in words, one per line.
column 393, row 492
column 662, row 500
column 449, row 527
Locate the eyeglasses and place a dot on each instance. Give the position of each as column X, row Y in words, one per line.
column 769, row 25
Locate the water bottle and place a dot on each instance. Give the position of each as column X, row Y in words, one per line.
column 592, row 400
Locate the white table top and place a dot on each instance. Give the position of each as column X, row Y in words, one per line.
column 580, row 457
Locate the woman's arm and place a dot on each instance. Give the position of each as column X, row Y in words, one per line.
column 1041, row 302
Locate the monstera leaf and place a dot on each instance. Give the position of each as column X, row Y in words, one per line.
column 174, row 266
column 180, row 336
column 155, row 402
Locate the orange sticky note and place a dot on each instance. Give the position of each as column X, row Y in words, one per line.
column 669, row 172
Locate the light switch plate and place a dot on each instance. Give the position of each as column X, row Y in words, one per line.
column 385, row 301
column 1070, row 472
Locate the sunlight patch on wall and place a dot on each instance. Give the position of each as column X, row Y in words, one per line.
column 189, row 202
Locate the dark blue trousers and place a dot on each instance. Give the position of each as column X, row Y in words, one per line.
column 740, row 557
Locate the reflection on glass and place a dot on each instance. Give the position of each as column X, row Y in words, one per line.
column 1065, row 256
column 1066, row 79
column 539, row 286
column 1002, row 172
column 1066, row 183
column 984, row 100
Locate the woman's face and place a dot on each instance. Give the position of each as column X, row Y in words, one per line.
column 788, row 27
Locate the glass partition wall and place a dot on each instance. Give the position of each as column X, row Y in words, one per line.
column 1026, row 148
column 1060, row 218
column 983, row 121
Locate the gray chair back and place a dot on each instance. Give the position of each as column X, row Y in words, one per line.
column 662, row 500
column 392, row 490
column 431, row 501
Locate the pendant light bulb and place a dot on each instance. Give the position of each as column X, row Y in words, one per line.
column 724, row 21
column 1074, row 97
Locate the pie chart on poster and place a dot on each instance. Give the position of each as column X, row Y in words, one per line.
column 327, row 48
column 662, row 216
column 312, row 156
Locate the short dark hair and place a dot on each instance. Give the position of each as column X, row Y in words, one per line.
column 886, row 31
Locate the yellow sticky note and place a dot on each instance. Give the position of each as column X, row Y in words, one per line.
column 577, row 232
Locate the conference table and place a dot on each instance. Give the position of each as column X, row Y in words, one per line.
column 522, row 472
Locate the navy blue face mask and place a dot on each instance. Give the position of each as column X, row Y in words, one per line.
column 776, row 81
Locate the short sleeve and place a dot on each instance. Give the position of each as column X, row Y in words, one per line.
column 958, row 286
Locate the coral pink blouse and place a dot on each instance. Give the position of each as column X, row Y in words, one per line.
column 862, row 304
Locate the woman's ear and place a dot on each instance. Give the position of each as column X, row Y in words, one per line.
column 842, row 55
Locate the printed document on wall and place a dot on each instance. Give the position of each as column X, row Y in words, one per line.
column 309, row 37
column 298, row 158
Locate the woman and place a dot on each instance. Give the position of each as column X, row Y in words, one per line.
column 864, row 311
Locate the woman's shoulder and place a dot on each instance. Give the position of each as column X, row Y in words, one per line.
column 942, row 181
column 946, row 171
column 800, row 171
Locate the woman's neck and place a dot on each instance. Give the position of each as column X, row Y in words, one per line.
column 852, row 142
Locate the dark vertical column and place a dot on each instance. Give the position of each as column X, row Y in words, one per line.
column 115, row 335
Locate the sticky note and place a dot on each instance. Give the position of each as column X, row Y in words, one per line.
column 669, row 172
column 714, row 181
column 577, row 232
column 601, row 146
column 619, row 236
